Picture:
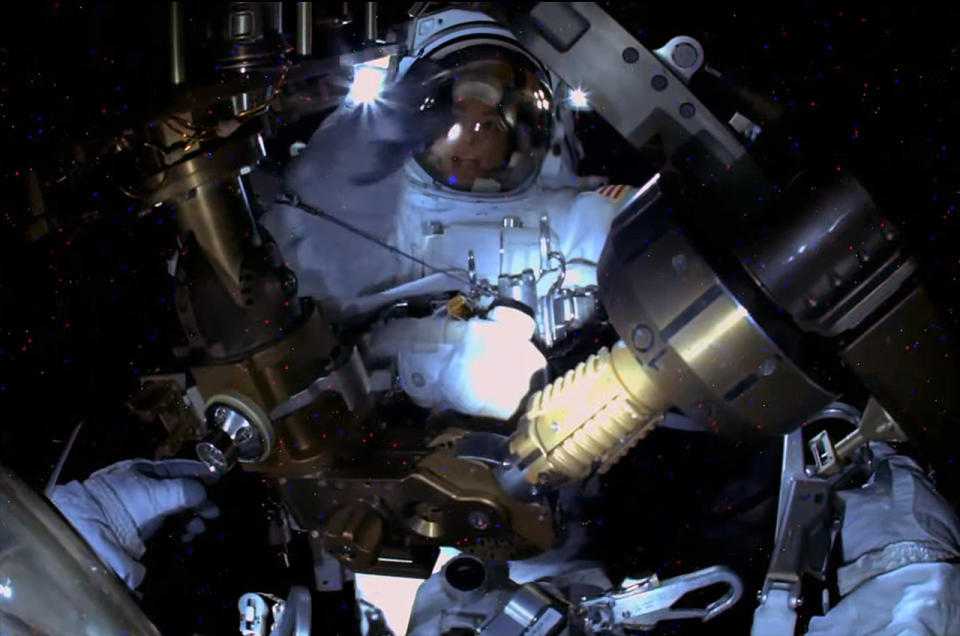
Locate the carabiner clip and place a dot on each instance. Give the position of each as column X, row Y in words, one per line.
column 643, row 604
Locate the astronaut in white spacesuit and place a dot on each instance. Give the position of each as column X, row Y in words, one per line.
column 483, row 199
column 487, row 203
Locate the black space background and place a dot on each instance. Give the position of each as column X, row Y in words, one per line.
column 870, row 87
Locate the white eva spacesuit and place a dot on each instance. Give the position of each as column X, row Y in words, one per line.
column 487, row 203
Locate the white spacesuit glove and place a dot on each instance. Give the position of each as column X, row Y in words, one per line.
column 897, row 536
column 119, row 507
column 480, row 366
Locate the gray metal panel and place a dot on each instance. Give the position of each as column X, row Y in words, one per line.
column 622, row 91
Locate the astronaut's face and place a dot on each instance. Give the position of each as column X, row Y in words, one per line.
column 475, row 146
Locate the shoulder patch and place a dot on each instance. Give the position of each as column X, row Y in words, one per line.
column 612, row 192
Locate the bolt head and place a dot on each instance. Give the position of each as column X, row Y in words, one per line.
column 478, row 519
column 684, row 55
column 679, row 263
column 642, row 338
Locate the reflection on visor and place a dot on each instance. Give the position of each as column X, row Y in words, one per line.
column 499, row 113
column 475, row 147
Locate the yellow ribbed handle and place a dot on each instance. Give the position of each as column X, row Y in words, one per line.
column 586, row 416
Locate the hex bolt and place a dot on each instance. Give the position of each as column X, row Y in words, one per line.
column 630, row 55
column 687, row 110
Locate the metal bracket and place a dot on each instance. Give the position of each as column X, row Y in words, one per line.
column 803, row 539
column 349, row 379
column 683, row 55
column 875, row 425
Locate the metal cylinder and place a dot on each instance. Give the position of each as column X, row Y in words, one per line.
column 178, row 64
column 274, row 16
column 370, row 21
column 233, row 438
column 707, row 352
column 833, row 261
column 304, row 29
column 219, row 219
column 591, row 414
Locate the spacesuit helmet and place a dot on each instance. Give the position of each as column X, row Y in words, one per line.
column 496, row 105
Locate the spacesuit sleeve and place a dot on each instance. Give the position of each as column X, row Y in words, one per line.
column 330, row 261
column 582, row 230
column 901, row 542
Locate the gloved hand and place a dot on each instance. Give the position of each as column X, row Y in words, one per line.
column 489, row 372
column 479, row 367
column 897, row 535
column 119, row 507
column 401, row 124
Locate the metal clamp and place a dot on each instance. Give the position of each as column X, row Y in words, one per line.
column 875, row 425
column 804, row 536
column 642, row 604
